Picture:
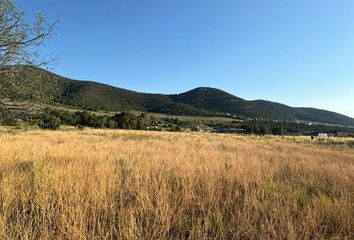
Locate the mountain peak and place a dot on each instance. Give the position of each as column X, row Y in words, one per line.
column 38, row 85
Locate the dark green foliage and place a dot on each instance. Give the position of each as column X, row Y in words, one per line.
column 49, row 122
column 211, row 100
column 91, row 120
column 290, row 128
column 80, row 127
column 38, row 85
column 126, row 120
column 181, row 109
column 177, row 128
column 260, row 128
column 69, row 118
column 7, row 118
column 15, row 114
column 111, row 124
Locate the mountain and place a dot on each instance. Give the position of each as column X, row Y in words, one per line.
column 215, row 100
column 38, row 85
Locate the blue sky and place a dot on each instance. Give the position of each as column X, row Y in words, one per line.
column 297, row 52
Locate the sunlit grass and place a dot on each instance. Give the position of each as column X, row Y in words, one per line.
column 111, row 184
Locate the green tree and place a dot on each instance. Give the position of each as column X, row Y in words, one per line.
column 126, row 120
column 111, row 124
column 49, row 122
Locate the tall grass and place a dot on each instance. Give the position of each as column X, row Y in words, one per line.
column 101, row 184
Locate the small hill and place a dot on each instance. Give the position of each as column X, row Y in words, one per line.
column 212, row 100
column 38, row 85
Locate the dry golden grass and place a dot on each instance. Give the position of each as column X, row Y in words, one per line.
column 101, row 184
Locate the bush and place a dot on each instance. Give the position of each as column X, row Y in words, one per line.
column 80, row 127
column 7, row 118
column 177, row 128
column 111, row 124
column 49, row 122
column 126, row 120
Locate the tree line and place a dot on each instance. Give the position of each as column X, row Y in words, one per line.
column 52, row 119
column 263, row 127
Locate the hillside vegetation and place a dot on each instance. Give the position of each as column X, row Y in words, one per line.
column 35, row 84
column 110, row 184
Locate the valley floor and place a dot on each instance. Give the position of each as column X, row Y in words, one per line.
column 115, row 184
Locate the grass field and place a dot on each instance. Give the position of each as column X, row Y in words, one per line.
column 111, row 184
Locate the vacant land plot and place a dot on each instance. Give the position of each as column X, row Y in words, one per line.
column 102, row 184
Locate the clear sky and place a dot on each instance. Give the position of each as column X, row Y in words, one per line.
column 297, row 52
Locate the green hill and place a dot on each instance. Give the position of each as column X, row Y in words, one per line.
column 38, row 85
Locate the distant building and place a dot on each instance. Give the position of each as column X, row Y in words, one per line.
column 323, row 136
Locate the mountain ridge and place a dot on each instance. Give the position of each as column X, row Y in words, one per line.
column 35, row 84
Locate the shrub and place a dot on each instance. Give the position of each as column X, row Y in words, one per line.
column 7, row 118
column 49, row 122
column 111, row 124
column 80, row 127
